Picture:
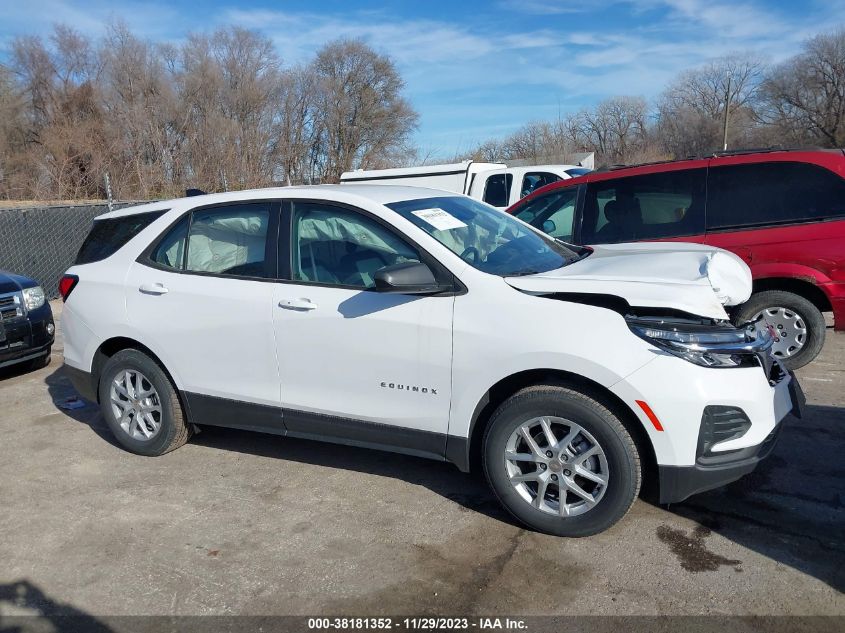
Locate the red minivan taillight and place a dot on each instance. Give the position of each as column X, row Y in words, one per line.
column 66, row 284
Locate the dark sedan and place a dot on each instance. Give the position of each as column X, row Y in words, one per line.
column 27, row 330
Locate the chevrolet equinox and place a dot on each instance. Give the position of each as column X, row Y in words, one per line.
column 430, row 324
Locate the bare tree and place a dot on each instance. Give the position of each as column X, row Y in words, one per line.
column 297, row 144
column 691, row 110
column 804, row 97
column 616, row 128
column 65, row 124
column 363, row 116
column 13, row 163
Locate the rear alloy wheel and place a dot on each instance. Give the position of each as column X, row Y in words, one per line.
column 560, row 461
column 140, row 404
column 136, row 405
column 797, row 324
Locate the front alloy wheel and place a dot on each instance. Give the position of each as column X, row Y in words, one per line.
column 561, row 461
column 556, row 466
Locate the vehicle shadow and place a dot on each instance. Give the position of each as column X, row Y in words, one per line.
column 468, row 491
column 23, row 597
column 791, row 508
column 61, row 390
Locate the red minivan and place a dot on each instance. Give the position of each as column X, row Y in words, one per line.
column 783, row 212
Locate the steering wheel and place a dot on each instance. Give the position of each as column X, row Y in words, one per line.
column 471, row 251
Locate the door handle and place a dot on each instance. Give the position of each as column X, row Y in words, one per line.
column 153, row 289
column 297, row 304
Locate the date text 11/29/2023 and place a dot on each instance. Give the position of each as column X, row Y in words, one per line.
column 417, row 623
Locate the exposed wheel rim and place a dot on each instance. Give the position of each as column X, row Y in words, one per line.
column 556, row 466
column 136, row 405
column 789, row 328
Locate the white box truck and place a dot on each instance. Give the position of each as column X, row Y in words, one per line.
column 494, row 183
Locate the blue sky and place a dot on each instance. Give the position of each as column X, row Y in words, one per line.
column 473, row 69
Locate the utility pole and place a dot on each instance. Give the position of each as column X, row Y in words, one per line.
column 727, row 107
column 107, row 182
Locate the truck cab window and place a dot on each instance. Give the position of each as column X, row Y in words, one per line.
column 497, row 190
column 533, row 180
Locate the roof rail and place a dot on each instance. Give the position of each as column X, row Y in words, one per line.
column 719, row 154
column 616, row 166
column 753, row 150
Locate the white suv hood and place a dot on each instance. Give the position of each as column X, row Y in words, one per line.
column 693, row 278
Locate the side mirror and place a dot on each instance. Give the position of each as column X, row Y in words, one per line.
column 549, row 227
column 411, row 278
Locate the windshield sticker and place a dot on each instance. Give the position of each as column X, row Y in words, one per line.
column 439, row 219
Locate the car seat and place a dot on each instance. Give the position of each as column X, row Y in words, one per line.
column 624, row 220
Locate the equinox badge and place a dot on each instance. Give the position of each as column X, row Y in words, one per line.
column 411, row 388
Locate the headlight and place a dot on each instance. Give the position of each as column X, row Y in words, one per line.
column 719, row 345
column 33, row 298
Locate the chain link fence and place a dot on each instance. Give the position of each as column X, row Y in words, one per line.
column 42, row 241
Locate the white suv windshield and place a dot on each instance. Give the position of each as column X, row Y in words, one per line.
column 486, row 238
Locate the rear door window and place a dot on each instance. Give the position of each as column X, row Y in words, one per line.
column 770, row 194
column 109, row 235
column 497, row 190
column 668, row 204
column 170, row 251
column 231, row 240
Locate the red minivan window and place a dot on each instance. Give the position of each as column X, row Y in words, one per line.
column 771, row 194
column 654, row 206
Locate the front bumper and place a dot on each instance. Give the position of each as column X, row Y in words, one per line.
column 678, row 392
column 680, row 482
column 718, row 469
column 26, row 338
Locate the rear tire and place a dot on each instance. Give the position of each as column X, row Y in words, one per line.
column 140, row 404
column 786, row 308
column 563, row 411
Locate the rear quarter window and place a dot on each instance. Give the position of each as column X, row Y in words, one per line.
column 108, row 236
column 769, row 194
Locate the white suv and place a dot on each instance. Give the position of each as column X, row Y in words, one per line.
column 431, row 324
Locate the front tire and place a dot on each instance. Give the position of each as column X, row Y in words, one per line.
column 798, row 322
column 560, row 461
column 140, row 404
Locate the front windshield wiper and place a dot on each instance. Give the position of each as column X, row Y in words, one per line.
column 523, row 273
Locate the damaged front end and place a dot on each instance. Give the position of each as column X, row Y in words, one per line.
column 706, row 342
column 703, row 341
